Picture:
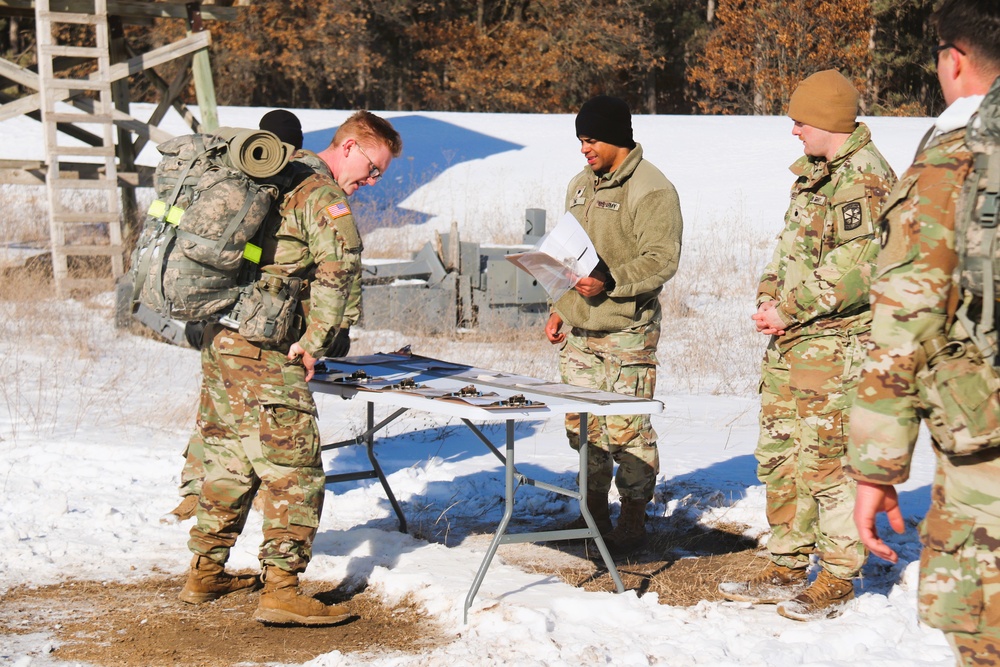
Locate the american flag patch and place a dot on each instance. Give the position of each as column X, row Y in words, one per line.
column 338, row 210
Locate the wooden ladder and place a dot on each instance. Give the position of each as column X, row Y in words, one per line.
column 84, row 213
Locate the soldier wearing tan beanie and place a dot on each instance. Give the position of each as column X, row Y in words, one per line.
column 812, row 304
column 826, row 100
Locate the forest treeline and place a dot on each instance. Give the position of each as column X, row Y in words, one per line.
column 541, row 56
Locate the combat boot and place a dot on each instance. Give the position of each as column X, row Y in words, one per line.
column 825, row 598
column 597, row 503
column 184, row 510
column 208, row 580
column 630, row 533
column 282, row 604
column 774, row 583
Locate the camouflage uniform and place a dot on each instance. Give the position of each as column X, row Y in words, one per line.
column 257, row 419
column 193, row 471
column 818, row 279
column 633, row 217
column 622, row 362
column 960, row 567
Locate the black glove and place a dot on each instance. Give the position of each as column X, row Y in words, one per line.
column 194, row 333
column 341, row 345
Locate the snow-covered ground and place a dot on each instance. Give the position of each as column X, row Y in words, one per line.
column 93, row 422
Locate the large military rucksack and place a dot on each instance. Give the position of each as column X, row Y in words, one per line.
column 213, row 192
column 959, row 386
column 976, row 226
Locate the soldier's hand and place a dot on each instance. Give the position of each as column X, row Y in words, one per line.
column 768, row 320
column 592, row 285
column 295, row 352
column 872, row 499
column 552, row 328
column 341, row 345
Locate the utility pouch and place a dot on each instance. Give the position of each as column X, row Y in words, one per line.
column 960, row 393
column 266, row 312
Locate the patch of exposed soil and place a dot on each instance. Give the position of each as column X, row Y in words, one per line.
column 682, row 563
column 116, row 625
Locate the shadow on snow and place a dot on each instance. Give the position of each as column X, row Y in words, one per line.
column 430, row 146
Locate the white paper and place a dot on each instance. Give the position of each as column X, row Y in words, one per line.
column 560, row 259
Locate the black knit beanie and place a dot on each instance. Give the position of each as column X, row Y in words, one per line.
column 285, row 124
column 606, row 119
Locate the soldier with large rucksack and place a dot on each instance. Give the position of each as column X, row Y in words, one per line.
column 286, row 127
column 933, row 350
column 257, row 417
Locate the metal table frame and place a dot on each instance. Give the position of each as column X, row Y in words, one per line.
column 513, row 478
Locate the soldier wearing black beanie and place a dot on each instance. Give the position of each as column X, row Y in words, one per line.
column 285, row 125
column 606, row 119
column 608, row 325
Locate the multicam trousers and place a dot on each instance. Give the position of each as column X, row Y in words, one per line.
column 806, row 394
column 258, row 425
column 194, row 455
column 959, row 589
column 622, row 362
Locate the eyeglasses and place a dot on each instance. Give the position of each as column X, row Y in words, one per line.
column 374, row 172
column 938, row 48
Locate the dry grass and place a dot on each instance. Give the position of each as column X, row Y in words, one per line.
column 708, row 342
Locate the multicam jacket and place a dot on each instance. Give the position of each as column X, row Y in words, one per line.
column 633, row 218
column 909, row 305
column 318, row 240
column 909, row 300
column 822, row 266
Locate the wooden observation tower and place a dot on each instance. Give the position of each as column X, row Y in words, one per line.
column 93, row 109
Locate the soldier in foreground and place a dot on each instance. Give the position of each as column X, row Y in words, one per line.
column 287, row 127
column 929, row 229
column 632, row 214
column 813, row 304
column 259, row 426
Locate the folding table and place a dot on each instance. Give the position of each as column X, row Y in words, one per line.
column 410, row 382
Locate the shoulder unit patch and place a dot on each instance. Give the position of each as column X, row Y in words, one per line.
column 852, row 215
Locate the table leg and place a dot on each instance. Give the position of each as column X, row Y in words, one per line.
column 501, row 537
column 370, row 442
column 585, row 511
column 368, row 438
column 502, row 528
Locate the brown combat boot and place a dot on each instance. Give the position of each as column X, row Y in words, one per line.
column 282, row 604
column 184, row 510
column 597, row 503
column 825, row 598
column 208, row 580
column 630, row 533
column 775, row 583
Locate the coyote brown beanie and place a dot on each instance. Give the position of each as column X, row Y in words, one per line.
column 606, row 119
column 826, row 100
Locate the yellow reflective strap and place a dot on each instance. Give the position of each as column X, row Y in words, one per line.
column 174, row 215
column 252, row 253
column 157, row 208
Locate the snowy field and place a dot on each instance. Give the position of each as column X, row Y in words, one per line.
column 93, row 421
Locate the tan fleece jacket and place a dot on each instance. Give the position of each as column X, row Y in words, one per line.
column 633, row 217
